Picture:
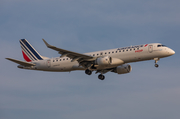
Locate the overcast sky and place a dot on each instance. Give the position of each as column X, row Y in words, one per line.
column 85, row 26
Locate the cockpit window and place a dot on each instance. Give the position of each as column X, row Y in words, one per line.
column 161, row 46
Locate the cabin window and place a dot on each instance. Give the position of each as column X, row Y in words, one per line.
column 63, row 59
column 97, row 54
column 105, row 53
column 130, row 49
column 101, row 53
column 126, row 50
column 60, row 60
column 93, row 54
column 109, row 52
column 119, row 50
column 67, row 58
column 116, row 51
column 123, row 50
column 112, row 51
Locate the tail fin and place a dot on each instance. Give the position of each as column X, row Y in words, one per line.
column 29, row 53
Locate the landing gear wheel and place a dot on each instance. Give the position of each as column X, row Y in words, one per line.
column 156, row 65
column 88, row 72
column 101, row 77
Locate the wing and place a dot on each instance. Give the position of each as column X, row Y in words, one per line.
column 21, row 62
column 73, row 55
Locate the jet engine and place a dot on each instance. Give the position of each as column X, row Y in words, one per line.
column 122, row 69
column 103, row 61
column 108, row 61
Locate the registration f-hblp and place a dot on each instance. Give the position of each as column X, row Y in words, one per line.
column 113, row 60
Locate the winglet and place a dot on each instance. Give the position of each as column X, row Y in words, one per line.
column 46, row 43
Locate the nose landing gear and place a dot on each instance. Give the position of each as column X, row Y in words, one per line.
column 156, row 65
column 156, row 60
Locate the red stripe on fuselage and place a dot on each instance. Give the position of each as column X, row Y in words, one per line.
column 146, row 45
column 26, row 57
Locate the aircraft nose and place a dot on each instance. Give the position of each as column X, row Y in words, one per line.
column 172, row 52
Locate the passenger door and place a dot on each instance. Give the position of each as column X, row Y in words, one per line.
column 150, row 48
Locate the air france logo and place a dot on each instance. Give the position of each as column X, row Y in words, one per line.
column 126, row 48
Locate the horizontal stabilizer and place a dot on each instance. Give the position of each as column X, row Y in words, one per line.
column 21, row 62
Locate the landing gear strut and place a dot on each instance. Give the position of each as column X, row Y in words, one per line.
column 156, row 60
column 88, row 72
column 101, row 77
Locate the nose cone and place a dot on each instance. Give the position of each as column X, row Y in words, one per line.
column 171, row 52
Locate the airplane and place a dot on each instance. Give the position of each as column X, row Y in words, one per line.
column 113, row 60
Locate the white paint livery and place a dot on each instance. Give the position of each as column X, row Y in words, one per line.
column 113, row 60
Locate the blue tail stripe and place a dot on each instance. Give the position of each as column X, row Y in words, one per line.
column 28, row 51
column 31, row 49
column 24, row 50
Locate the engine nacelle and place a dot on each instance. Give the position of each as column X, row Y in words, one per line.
column 125, row 68
column 103, row 61
column 107, row 61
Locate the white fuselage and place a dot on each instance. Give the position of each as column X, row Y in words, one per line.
column 126, row 54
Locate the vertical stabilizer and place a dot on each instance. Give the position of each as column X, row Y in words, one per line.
column 29, row 53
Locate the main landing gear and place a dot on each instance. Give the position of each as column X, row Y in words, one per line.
column 156, row 60
column 101, row 77
column 89, row 72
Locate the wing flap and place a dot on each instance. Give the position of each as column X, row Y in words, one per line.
column 21, row 62
column 70, row 54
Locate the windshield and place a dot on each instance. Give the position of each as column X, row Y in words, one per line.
column 161, row 46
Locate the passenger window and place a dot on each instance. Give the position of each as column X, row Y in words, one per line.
column 119, row 50
column 126, row 50
column 116, row 51
column 112, row 51
column 93, row 54
column 101, row 53
column 105, row 53
column 109, row 52
column 60, row 60
column 123, row 50
column 67, row 58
